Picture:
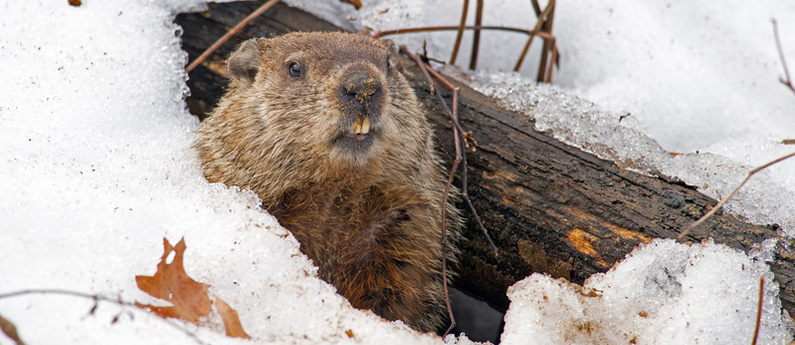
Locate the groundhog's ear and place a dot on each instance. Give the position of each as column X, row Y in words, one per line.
column 390, row 45
column 244, row 63
column 393, row 54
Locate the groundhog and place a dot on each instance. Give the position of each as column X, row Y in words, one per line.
column 325, row 128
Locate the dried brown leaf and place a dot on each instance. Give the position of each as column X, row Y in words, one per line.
column 10, row 330
column 75, row 3
column 171, row 283
column 231, row 320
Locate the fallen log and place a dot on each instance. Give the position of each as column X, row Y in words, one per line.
column 549, row 207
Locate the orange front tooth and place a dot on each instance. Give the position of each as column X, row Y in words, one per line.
column 365, row 127
column 357, row 126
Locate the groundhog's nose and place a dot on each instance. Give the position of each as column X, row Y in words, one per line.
column 361, row 92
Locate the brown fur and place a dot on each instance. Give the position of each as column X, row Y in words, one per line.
column 368, row 213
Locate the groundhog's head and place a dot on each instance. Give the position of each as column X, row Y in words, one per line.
column 340, row 96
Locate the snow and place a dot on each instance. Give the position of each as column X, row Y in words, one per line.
column 664, row 293
column 96, row 168
column 766, row 199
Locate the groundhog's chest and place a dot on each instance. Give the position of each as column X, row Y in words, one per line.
column 339, row 226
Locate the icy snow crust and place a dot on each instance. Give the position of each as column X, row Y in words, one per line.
column 663, row 293
column 96, row 168
column 768, row 198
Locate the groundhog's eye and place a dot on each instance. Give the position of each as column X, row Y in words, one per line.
column 388, row 66
column 294, row 70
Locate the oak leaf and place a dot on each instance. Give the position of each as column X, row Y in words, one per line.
column 231, row 321
column 188, row 297
column 171, row 283
column 10, row 330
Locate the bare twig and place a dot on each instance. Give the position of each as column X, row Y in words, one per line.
column 447, row 28
column 464, row 180
column 536, row 29
column 444, row 248
column 536, row 7
column 722, row 202
column 460, row 156
column 553, row 62
column 229, row 34
column 548, row 45
column 457, row 129
column 460, row 32
column 446, row 193
column 473, row 59
column 98, row 298
column 788, row 81
column 759, row 308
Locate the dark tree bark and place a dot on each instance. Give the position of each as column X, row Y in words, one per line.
column 549, row 207
column 555, row 209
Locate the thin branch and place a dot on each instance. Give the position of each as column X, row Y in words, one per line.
column 722, row 202
column 788, row 81
column 446, row 194
column 548, row 44
column 460, row 155
column 536, row 7
column 460, row 32
column 465, row 185
column 457, row 129
column 553, row 62
column 473, row 59
column 448, row 28
column 229, row 34
column 759, row 308
column 536, row 29
column 444, row 248
column 99, row 298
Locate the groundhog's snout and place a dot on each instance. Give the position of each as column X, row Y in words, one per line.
column 360, row 94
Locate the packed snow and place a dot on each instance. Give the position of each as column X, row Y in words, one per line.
column 663, row 293
column 96, row 168
column 768, row 198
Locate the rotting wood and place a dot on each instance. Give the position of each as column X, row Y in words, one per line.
column 555, row 209
column 549, row 207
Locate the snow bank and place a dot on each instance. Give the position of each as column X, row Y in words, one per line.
column 768, row 198
column 695, row 73
column 96, row 168
column 662, row 293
